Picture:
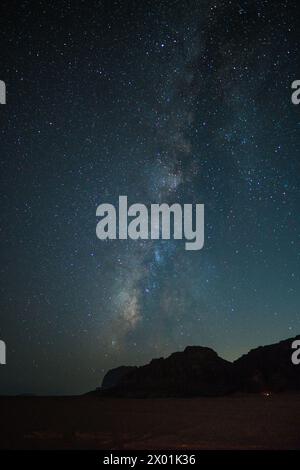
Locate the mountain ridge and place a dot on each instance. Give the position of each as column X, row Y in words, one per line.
column 200, row 371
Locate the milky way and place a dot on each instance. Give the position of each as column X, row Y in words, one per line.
column 163, row 101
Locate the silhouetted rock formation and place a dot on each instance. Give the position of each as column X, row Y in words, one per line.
column 269, row 368
column 113, row 376
column 199, row 371
column 195, row 371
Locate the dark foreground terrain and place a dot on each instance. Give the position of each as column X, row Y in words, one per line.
column 248, row 421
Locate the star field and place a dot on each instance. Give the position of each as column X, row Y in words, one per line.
column 167, row 101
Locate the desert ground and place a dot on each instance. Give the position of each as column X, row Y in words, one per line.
column 92, row 422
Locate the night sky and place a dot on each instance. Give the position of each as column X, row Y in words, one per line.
column 162, row 101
